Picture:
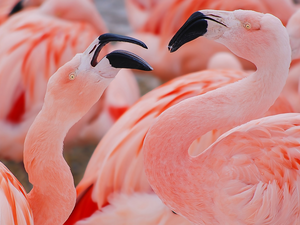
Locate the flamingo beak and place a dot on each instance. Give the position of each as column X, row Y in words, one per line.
column 18, row 7
column 120, row 58
column 194, row 27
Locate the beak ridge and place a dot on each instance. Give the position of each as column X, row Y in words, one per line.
column 109, row 37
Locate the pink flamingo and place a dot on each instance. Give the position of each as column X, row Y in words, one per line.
column 5, row 8
column 291, row 89
column 34, row 44
column 156, row 27
column 114, row 188
column 250, row 174
column 71, row 92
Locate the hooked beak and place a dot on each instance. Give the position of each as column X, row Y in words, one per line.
column 194, row 27
column 18, row 7
column 120, row 58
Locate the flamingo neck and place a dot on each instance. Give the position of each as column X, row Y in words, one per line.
column 170, row 169
column 53, row 195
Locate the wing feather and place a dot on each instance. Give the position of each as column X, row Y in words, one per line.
column 14, row 207
column 258, row 168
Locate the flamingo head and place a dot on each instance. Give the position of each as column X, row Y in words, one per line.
column 79, row 84
column 246, row 33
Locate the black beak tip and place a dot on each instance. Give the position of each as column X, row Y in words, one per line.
column 144, row 46
column 195, row 26
column 127, row 60
column 171, row 48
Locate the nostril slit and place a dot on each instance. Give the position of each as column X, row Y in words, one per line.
column 93, row 49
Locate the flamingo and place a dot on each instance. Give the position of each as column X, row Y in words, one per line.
column 159, row 20
column 291, row 89
column 250, row 174
column 114, row 188
column 34, row 44
column 5, row 8
column 71, row 92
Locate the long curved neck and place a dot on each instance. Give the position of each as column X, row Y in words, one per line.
column 53, row 195
column 169, row 167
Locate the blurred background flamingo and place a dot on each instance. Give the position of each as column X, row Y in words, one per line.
column 5, row 8
column 8, row 7
column 291, row 89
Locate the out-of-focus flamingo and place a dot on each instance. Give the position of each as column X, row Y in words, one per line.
column 250, row 175
column 159, row 20
column 9, row 7
column 33, row 44
column 291, row 89
column 5, row 8
column 115, row 181
column 151, row 13
column 71, row 92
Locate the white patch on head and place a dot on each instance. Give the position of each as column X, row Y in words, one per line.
column 103, row 68
column 106, row 69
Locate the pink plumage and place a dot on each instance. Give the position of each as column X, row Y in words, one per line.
column 14, row 205
column 116, row 169
column 249, row 175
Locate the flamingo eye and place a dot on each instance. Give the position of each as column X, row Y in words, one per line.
column 247, row 26
column 72, row 76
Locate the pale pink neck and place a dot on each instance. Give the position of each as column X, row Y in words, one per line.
column 170, row 169
column 53, row 195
